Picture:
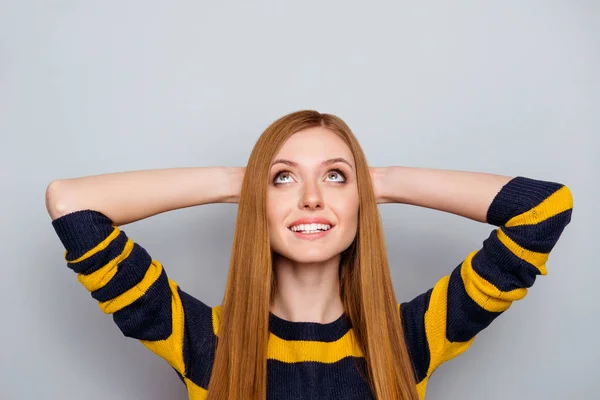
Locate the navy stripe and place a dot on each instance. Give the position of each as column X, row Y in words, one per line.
column 311, row 331
column 466, row 318
column 519, row 195
column 501, row 267
column 81, row 231
column 199, row 340
column 100, row 259
column 342, row 380
column 150, row 316
column 130, row 272
column 542, row 236
column 413, row 324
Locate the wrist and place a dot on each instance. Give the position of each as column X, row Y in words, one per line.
column 389, row 185
column 235, row 177
column 378, row 178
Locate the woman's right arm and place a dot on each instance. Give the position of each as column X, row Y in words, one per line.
column 126, row 197
column 122, row 276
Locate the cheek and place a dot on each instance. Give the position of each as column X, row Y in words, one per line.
column 276, row 214
column 347, row 208
column 346, row 211
column 272, row 208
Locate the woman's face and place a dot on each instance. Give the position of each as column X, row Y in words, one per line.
column 312, row 180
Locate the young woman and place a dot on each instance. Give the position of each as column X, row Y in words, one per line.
column 309, row 310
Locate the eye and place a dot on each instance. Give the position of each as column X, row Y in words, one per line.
column 284, row 173
column 338, row 173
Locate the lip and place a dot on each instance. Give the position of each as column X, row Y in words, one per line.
column 311, row 236
column 312, row 220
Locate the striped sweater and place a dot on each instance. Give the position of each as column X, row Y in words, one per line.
column 321, row 361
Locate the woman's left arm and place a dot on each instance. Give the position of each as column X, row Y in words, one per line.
column 468, row 194
column 530, row 215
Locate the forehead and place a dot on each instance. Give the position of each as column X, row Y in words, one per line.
column 314, row 144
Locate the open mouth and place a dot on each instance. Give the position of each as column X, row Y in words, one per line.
column 310, row 228
column 311, row 231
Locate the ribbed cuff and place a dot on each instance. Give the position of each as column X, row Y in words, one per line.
column 80, row 231
column 520, row 194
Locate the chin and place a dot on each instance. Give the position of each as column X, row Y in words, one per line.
column 310, row 256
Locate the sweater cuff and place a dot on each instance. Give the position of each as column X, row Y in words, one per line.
column 81, row 231
column 519, row 195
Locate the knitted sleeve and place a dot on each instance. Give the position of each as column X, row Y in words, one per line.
column 442, row 322
column 145, row 304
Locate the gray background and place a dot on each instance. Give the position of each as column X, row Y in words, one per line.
column 96, row 87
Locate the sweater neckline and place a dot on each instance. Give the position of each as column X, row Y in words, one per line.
column 312, row 331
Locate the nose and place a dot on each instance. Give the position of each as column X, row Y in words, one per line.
column 311, row 198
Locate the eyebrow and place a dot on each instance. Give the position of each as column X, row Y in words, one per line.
column 326, row 162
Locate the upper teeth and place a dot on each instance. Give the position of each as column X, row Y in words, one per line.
column 310, row 227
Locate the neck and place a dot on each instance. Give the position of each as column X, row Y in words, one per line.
column 307, row 292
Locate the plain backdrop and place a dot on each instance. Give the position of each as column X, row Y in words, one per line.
column 92, row 87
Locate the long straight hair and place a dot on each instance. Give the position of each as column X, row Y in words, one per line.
column 240, row 365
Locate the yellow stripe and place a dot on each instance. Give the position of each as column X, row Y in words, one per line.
column 422, row 387
column 291, row 351
column 216, row 319
column 536, row 259
column 131, row 295
column 557, row 202
column 195, row 392
column 98, row 248
column 440, row 349
column 485, row 294
column 297, row 351
column 171, row 348
column 102, row 276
